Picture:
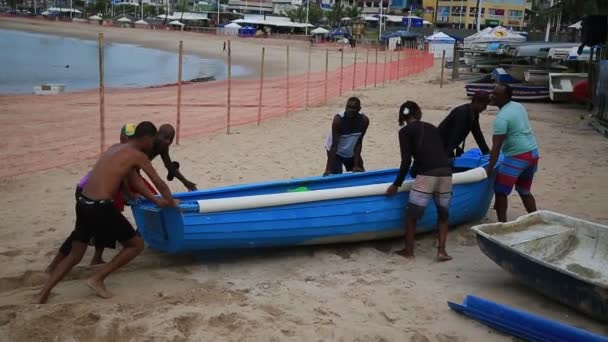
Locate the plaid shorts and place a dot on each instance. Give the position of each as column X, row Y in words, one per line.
column 518, row 171
column 426, row 188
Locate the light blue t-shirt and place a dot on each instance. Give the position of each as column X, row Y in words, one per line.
column 512, row 121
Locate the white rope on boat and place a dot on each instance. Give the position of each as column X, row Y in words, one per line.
column 272, row 200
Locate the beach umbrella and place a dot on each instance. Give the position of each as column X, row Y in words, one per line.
column 577, row 25
column 95, row 17
column 319, row 30
column 124, row 20
column 176, row 22
column 141, row 22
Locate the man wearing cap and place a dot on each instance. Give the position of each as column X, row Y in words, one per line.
column 164, row 139
column 461, row 121
column 433, row 176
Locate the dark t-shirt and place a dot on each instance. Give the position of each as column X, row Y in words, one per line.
column 420, row 140
column 457, row 125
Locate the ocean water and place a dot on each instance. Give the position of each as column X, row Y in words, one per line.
column 31, row 59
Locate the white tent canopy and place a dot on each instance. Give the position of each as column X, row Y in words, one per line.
column 578, row 25
column 231, row 29
column 440, row 37
column 95, row 17
column 164, row 16
column 124, row 20
column 497, row 34
column 62, row 10
column 319, row 30
column 440, row 42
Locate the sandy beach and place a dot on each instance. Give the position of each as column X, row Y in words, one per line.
column 352, row 292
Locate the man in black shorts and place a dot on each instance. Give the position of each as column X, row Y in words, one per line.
column 433, row 173
column 96, row 215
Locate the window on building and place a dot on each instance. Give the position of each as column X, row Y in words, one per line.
column 515, row 14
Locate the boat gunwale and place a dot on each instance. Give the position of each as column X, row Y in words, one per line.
column 542, row 214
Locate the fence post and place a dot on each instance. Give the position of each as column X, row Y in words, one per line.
column 102, row 103
column 376, row 70
column 341, row 68
column 384, row 71
column 179, row 91
column 326, row 71
column 390, row 67
column 287, row 80
column 442, row 67
column 261, row 87
column 308, row 76
column 455, row 62
column 366, row 66
column 229, row 84
column 398, row 64
column 355, row 69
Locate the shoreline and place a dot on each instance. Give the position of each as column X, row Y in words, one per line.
column 246, row 52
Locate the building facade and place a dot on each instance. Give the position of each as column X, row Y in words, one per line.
column 463, row 13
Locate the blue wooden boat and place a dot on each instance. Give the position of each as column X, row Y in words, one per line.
column 305, row 211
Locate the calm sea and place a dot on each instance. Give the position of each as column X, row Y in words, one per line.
column 30, row 59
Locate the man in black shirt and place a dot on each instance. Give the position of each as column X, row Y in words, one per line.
column 433, row 173
column 461, row 121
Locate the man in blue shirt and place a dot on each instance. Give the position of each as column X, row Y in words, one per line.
column 513, row 135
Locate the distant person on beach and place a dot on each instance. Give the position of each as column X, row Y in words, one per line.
column 126, row 132
column 461, row 121
column 96, row 215
column 224, row 46
column 433, row 176
column 513, row 135
column 164, row 139
column 345, row 141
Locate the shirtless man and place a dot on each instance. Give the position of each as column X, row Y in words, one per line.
column 96, row 215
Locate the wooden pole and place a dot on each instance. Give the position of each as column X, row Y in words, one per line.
column 366, row 66
column 355, row 69
column 261, row 87
column 102, row 103
column 229, row 84
column 398, row 64
column 308, row 76
column 326, row 71
column 455, row 62
column 442, row 67
column 390, row 67
column 179, row 91
column 384, row 71
column 287, row 80
column 341, row 68
column 102, row 108
column 376, row 70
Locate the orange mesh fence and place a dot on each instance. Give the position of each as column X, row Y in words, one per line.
column 42, row 132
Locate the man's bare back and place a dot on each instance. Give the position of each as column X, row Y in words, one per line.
column 115, row 165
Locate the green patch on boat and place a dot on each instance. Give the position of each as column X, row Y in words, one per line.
column 299, row 189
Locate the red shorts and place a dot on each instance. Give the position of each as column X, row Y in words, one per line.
column 148, row 185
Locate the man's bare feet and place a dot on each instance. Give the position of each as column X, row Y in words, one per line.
column 443, row 256
column 97, row 262
column 40, row 298
column 99, row 288
column 406, row 253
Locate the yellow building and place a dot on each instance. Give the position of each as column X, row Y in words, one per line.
column 508, row 13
